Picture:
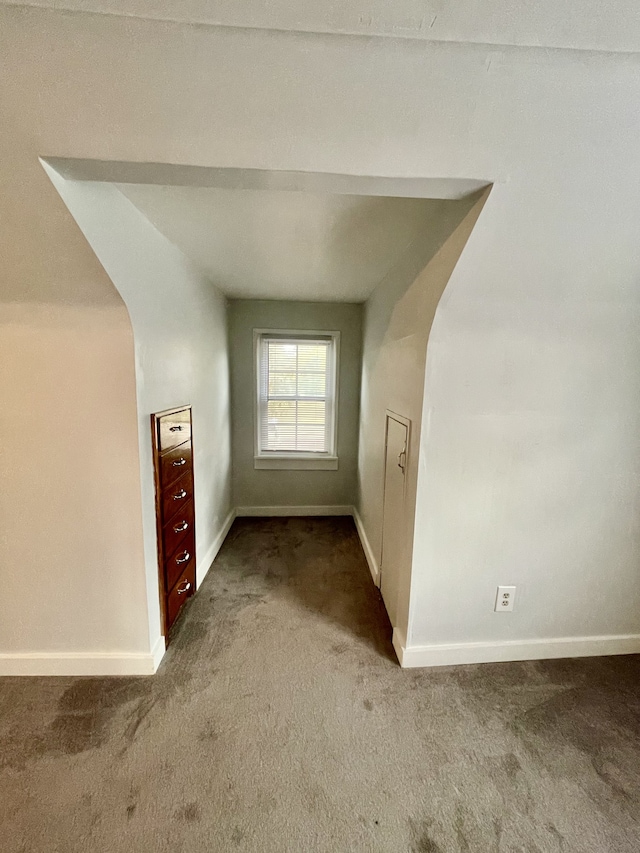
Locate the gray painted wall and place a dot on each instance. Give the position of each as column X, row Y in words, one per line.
column 181, row 356
column 293, row 488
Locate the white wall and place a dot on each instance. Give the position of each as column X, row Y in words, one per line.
column 267, row 488
column 69, row 464
column 546, row 23
column 531, row 456
column 293, row 245
column 74, row 594
column 529, row 466
column 180, row 335
column 397, row 321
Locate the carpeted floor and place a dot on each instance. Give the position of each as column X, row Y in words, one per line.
column 280, row 721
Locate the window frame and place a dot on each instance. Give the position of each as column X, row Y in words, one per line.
column 297, row 460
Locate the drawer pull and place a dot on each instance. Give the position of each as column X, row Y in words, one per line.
column 185, row 588
column 185, row 559
column 180, row 527
column 177, row 428
column 179, row 462
column 179, row 495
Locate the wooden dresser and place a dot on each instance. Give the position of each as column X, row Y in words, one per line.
column 173, row 466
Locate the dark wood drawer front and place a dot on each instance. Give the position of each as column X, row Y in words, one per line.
column 173, row 429
column 177, row 529
column 175, row 564
column 176, row 496
column 174, row 463
column 181, row 592
column 175, row 510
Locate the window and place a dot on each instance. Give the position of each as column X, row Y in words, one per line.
column 296, row 399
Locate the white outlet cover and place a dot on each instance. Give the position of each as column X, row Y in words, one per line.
column 505, row 599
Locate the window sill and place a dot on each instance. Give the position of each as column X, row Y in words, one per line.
column 281, row 462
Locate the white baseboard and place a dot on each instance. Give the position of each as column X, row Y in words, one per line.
column 366, row 547
column 82, row 663
column 105, row 663
column 399, row 646
column 513, row 650
column 157, row 652
column 272, row 511
column 204, row 564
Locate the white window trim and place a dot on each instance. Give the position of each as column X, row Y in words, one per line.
column 295, row 461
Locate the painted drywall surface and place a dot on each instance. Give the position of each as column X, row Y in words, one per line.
column 555, row 252
column 123, row 172
column 293, row 488
column 180, row 334
column 68, row 388
column 545, row 23
column 69, row 470
column 269, row 244
column 397, row 322
column 530, row 455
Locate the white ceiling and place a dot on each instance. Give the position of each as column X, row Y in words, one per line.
column 274, row 244
column 613, row 25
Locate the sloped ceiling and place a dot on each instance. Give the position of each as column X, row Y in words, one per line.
column 575, row 24
column 286, row 245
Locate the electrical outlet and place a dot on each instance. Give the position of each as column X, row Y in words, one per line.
column 505, row 599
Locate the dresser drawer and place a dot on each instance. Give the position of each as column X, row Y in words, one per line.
column 177, row 529
column 174, row 463
column 181, row 592
column 174, row 428
column 176, row 496
column 176, row 564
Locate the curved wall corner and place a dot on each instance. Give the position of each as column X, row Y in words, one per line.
column 71, row 548
column 528, row 456
column 179, row 322
column 398, row 321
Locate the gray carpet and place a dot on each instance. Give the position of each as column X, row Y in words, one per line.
column 280, row 721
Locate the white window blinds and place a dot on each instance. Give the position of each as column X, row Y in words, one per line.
column 296, row 407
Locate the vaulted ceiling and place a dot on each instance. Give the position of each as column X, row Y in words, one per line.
column 285, row 245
